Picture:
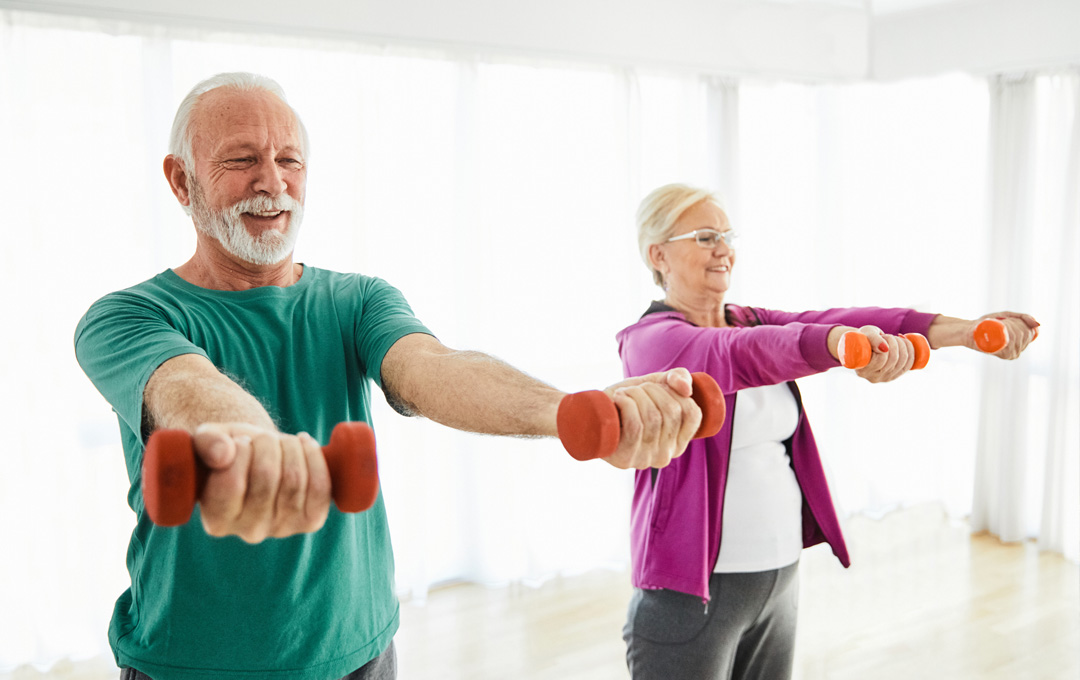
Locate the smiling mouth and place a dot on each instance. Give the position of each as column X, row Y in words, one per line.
column 268, row 213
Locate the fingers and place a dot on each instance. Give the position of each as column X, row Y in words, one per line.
column 317, row 500
column 292, row 490
column 1028, row 319
column 1021, row 330
column 222, row 499
column 657, row 422
column 892, row 357
column 274, row 485
column 678, row 379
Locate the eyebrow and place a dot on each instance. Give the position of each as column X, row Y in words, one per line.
column 248, row 147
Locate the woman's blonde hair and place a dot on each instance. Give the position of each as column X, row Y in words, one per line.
column 660, row 210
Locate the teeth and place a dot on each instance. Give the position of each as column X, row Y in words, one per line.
column 274, row 213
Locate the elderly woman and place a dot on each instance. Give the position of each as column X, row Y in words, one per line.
column 716, row 535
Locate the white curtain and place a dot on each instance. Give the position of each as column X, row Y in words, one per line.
column 872, row 194
column 879, row 194
column 1028, row 473
column 499, row 196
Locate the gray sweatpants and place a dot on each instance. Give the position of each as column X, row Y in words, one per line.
column 747, row 632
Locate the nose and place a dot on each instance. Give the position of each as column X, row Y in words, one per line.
column 269, row 179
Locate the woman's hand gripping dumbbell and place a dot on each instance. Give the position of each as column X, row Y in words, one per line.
column 992, row 335
column 588, row 422
column 854, row 349
column 174, row 477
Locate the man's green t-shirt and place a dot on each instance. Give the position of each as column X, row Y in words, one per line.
column 314, row 606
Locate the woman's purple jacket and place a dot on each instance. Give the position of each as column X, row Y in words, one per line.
column 676, row 514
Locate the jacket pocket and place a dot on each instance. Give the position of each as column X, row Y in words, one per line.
column 661, row 500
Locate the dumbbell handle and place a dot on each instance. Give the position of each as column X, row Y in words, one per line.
column 174, row 476
column 588, row 422
column 854, row 350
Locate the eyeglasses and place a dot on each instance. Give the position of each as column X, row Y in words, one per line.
column 709, row 238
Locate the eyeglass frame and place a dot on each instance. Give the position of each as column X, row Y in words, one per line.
column 728, row 237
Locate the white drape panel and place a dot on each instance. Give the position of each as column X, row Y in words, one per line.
column 872, row 194
column 1027, row 476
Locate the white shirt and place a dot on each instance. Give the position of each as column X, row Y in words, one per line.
column 762, row 522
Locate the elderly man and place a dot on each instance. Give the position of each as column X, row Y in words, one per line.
column 259, row 357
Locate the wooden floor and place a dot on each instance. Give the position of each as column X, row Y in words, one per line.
column 923, row 601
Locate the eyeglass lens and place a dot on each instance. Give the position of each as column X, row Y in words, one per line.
column 709, row 238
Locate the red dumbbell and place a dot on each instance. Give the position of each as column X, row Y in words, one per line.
column 854, row 350
column 588, row 422
column 174, row 477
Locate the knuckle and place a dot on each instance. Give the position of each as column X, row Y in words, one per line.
column 632, row 430
column 653, row 419
column 319, row 486
column 673, row 411
column 266, row 469
column 292, row 479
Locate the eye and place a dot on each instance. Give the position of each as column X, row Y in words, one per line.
column 707, row 239
column 236, row 163
column 291, row 163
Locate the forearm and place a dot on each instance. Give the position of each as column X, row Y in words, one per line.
column 187, row 391
column 892, row 320
column 948, row 331
column 468, row 391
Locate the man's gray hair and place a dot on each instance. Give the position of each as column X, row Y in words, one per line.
column 180, row 138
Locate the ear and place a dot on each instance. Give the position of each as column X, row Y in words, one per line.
column 177, row 176
column 656, row 258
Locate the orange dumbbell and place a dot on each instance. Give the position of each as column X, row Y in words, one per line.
column 991, row 335
column 588, row 422
column 855, row 350
column 174, row 477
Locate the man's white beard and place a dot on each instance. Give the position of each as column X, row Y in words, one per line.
column 227, row 226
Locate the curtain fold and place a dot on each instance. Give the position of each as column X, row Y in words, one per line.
column 1026, row 484
column 1060, row 518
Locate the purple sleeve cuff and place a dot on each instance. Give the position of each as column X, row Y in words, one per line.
column 814, row 345
column 917, row 322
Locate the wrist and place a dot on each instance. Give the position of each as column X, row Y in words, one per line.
column 834, row 337
column 947, row 331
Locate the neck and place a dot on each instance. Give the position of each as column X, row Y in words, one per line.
column 700, row 309
column 216, row 269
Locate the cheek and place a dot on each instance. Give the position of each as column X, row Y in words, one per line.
column 297, row 187
column 223, row 190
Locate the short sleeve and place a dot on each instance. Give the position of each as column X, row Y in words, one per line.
column 385, row 317
column 119, row 343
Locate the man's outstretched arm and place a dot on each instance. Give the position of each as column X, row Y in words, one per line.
column 478, row 393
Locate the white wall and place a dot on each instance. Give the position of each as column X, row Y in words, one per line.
column 979, row 37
